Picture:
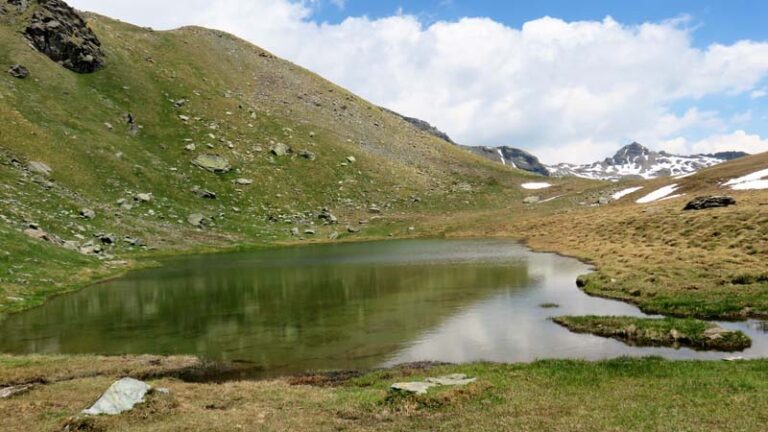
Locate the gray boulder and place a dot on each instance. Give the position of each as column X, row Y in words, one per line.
column 39, row 168
column 707, row 202
column 531, row 200
column 87, row 213
column 213, row 163
column 18, row 71
column 306, row 154
column 280, row 149
column 419, row 388
column 121, row 396
column 451, row 380
column 197, row 220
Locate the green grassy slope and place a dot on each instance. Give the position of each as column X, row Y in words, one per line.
column 239, row 101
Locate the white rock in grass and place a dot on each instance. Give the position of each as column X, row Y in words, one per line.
column 419, row 388
column 121, row 396
column 451, row 380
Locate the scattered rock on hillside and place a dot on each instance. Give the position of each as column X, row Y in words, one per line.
column 419, row 388
column 87, row 213
column 39, row 168
column 121, row 396
column 280, row 149
column 328, row 217
column 451, row 380
column 213, row 163
column 706, row 202
column 351, row 159
column 9, row 392
column 39, row 234
column 306, row 154
column 531, row 200
column 59, row 32
column 243, row 182
column 205, row 194
column 197, row 220
column 18, row 71
column 143, row 197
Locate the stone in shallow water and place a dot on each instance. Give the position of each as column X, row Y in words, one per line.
column 418, row 388
column 451, row 380
column 122, row 396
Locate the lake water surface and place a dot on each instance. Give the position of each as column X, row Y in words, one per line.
column 339, row 306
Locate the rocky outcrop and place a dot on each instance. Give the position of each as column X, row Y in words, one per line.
column 635, row 161
column 60, row 32
column 513, row 157
column 728, row 155
column 423, row 126
column 707, row 202
column 18, row 71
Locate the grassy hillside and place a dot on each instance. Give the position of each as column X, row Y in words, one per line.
column 195, row 92
column 705, row 264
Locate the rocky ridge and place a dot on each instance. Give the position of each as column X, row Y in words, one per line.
column 635, row 161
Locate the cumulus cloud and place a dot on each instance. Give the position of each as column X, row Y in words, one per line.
column 568, row 91
column 739, row 140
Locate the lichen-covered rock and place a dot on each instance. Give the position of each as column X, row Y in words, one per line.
column 121, row 396
column 213, row 163
column 59, row 32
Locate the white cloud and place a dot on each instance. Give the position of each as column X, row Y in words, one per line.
column 738, row 140
column 565, row 90
column 759, row 93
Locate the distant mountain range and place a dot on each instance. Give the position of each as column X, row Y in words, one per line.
column 631, row 161
column 637, row 161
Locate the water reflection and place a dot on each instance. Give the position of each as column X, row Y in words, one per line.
column 336, row 306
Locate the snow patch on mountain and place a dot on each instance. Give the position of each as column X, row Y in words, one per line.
column 756, row 180
column 535, row 186
column 621, row 194
column 658, row 194
column 637, row 161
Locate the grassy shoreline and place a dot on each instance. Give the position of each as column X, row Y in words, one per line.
column 621, row 394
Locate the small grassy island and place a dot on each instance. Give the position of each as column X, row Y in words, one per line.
column 670, row 332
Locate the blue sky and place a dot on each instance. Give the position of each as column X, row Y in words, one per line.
column 570, row 81
column 717, row 21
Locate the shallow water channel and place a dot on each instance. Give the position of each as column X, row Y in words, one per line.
column 340, row 306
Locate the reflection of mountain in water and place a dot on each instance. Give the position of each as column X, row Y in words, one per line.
column 292, row 309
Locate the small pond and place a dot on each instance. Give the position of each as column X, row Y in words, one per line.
column 340, row 306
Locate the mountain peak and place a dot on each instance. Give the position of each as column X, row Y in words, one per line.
column 631, row 151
